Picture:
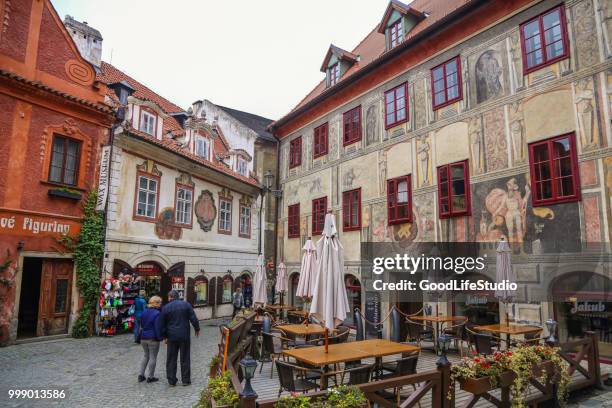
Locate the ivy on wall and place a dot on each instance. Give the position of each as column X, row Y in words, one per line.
column 88, row 250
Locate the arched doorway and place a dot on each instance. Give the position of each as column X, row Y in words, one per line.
column 153, row 279
column 353, row 294
column 582, row 302
column 480, row 307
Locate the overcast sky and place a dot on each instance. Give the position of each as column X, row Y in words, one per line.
column 261, row 56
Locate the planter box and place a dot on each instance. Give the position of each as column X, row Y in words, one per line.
column 547, row 368
column 215, row 405
column 71, row 195
column 483, row 385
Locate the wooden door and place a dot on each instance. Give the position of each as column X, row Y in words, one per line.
column 55, row 297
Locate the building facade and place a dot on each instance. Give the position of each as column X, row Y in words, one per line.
column 465, row 121
column 53, row 125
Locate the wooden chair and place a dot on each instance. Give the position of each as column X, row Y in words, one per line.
column 272, row 344
column 457, row 334
column 417, row 332
column 403, row 366
column 484, row 343
column 291, row 381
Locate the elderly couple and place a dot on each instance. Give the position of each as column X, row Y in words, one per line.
column 171, row 324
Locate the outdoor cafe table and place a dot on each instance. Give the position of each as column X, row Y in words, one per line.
column 509, row 329
column 438, row 320
column 343, row 352
column 279, row 308
column 302, row 330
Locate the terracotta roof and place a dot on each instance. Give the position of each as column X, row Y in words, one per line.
column 171, row 145
column 110, row 74
column 373, row 46
column 101, row 107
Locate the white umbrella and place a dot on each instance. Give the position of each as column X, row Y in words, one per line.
column 282, row 283
column 259, row 283
column 307, row 271
column 504, row 271
column 329, row 302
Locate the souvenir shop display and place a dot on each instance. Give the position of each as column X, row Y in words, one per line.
column 117, row 297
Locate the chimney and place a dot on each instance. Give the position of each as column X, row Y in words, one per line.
column 87, row 39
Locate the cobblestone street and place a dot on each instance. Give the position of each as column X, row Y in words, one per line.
column 101, row 372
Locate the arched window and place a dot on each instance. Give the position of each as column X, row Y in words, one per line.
column 227, row 289
column 200, row 291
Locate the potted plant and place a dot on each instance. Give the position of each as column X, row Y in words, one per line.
column 294, row 401
column 219, row 394
column 214, row 366
column 480, row 374
column 346, row 397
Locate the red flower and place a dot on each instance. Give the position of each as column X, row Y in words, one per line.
column 476, row 360
column 509, row 353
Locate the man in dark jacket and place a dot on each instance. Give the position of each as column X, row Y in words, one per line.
column 174, row 323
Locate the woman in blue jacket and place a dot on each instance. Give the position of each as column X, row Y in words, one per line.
column 150, row 338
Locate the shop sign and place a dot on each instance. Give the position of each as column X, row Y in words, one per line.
column 147, row 269
column 103, row 179
column 36, row 226
column 476, row 300
column 588, row 307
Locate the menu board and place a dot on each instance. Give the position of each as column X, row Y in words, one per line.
column 372, row 311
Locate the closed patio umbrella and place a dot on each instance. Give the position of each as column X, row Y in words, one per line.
column 329, row 301
column 307, row 271
column 282, row 284
column 259, row 283
column 504, row 271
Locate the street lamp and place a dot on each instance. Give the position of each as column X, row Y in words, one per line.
column 268, row 179
column 551, row 325
column 443, row 342
column 248, row 367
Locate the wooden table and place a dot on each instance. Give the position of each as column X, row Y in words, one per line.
column 301, row 313
column 438, row 320
column 509, row 329
column 280, row 307
column 302, row 330
column 343, row 352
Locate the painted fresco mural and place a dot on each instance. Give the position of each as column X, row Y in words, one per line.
column 502, row 208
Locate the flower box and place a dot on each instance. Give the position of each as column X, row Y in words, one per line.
column 545, row 368
column 64, row 193
column 215, row 405
column 483, row 385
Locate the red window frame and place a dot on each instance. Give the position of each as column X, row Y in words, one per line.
column 445, row 170
column 295, row 152
column 394, row 103
column 351, row 126
column 334, row 74
column 445, row 77
column 395, row 38
column 293, row 221
column 320, row 141
column 319, row 209
column 552, row 161
column 392, row 201
column 543, row 45
column 348, row 200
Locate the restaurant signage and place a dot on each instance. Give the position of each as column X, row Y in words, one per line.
column 588, row 307
column 27, row 225
column 103, row 180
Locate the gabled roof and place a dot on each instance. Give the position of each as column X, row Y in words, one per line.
column 83, row 27
column 109, row 74
column 340, row 54
column 257, row 123
column 402, row 9
column 372, row 49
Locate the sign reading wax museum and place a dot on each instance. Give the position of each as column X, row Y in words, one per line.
column 103, row 180
column 27, row 225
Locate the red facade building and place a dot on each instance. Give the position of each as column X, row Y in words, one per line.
column 53, row 123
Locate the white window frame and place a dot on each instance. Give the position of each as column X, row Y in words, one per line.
column 204, row 152
column 241, row 166
column 150, row 197
column 245, row 221
column 184, row 205
column 147, row 122
column 225, row 215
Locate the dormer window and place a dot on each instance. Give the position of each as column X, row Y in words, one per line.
column 241, row 166
column 396, row 33
column 334, row 74
column 202, row 147
column 147, row 122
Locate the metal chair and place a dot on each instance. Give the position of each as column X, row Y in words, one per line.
column 484, row 343
column 272, row 344
column 403, row 366
column 418, row 333
column 290, row 382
